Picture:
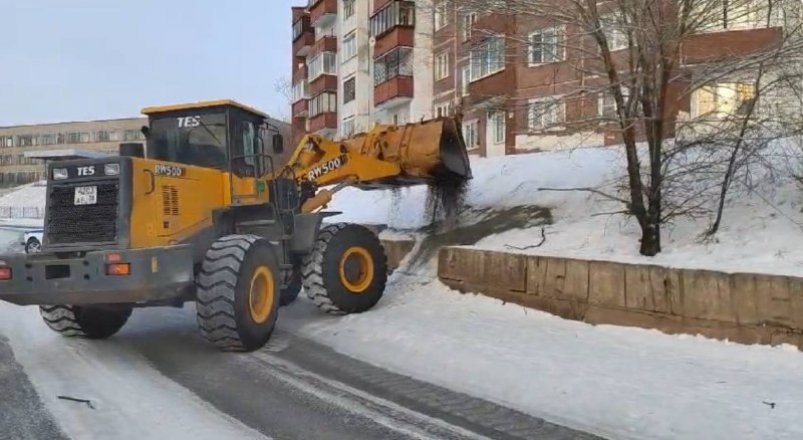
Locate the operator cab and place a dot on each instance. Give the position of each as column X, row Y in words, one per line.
column 224, row 135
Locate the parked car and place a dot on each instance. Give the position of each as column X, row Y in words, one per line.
column 32, row 240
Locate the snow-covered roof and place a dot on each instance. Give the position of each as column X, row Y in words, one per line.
column 65, row 154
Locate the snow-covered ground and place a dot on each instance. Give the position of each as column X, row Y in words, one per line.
column 762, row 231
column 613, row 381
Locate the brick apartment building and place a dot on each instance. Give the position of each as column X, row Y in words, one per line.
column 360, row 62
column 100, row 136
column 505, row 75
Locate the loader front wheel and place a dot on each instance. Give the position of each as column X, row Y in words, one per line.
column 237, row 298
column 85, row 321
column 347, row 270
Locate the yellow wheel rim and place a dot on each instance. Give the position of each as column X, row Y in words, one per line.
column 356, row 269
column 261, row 297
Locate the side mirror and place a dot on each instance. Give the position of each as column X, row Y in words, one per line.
column 146, row 131
column 278, row 143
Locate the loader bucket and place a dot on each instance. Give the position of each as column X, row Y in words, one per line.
column 433, row 151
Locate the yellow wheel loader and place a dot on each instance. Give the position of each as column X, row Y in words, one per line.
column 207, row 212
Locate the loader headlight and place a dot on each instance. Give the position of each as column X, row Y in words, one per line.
column 111, row 169
column 60, row 173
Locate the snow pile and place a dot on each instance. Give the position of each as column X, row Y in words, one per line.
column 24, row 204
column 762, row 231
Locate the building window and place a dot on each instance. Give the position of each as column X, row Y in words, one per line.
column 443, row 110
column 298, row 29
column 441, row 15
column 350, row 46
column 546, row 45
column 606, row 105
column 471, row 134
column 739, row 14
column 323, row 103
column 47, row 139
column 465, row 80
column 348, row 127
column 116, row 136
column 27, row 140
column 102, row 136
column 6, row 141
column 398, row 62
column 348, row 8
column 488, row 58
column 133, row 135
column 300, row 90
column 349, row 90
column 324, row 63
column 545, row 113
column 468, row 24
column 615, row 31
column 396, row 13
column 723, row 99
column 496, row 124
column 442, row 67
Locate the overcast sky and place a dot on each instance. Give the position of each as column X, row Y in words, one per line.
column 67, row 60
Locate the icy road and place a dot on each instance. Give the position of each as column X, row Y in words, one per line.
column 157, row 379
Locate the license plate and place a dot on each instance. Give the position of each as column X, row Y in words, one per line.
column 86, row 195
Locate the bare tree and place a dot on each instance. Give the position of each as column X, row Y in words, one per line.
column 284, row 88
column 645, row 57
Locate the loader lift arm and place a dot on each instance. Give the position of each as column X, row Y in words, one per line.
column 429, row 152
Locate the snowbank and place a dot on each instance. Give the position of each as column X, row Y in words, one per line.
column 762, row 231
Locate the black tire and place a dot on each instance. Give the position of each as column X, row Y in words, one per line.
column 225, row 283
column 290, row 293
column 33, row 246
column 323, row 274
column 86, row 322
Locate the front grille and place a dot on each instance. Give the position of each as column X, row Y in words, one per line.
column 68, row 223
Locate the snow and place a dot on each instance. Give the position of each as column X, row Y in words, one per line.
column 131, row 399
column 762, row 231
column 613, row 381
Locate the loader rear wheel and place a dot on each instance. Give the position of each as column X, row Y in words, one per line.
column 87, row 322
column 238, row 293
column 347, row 270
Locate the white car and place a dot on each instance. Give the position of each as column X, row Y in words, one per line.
column 32, row 240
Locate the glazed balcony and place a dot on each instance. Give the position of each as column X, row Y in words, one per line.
column 396, row 37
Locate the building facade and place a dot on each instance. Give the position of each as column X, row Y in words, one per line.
column 509, row 77
column 102, row 136
column 357, row 63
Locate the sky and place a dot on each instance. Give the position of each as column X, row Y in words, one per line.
column 72, row 60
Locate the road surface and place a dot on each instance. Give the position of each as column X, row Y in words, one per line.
column 158, row 378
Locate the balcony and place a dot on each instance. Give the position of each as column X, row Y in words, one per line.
column 323, row 122
column 323, row 83
column 301, row 108
column 729, row 44
column 303, row 43
column 393, row 92
column 397, row 37
column 322, row 12
column 325, row 44
column 299, row 71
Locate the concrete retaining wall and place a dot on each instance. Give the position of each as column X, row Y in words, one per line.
column 742, row 307
column 396, row 250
